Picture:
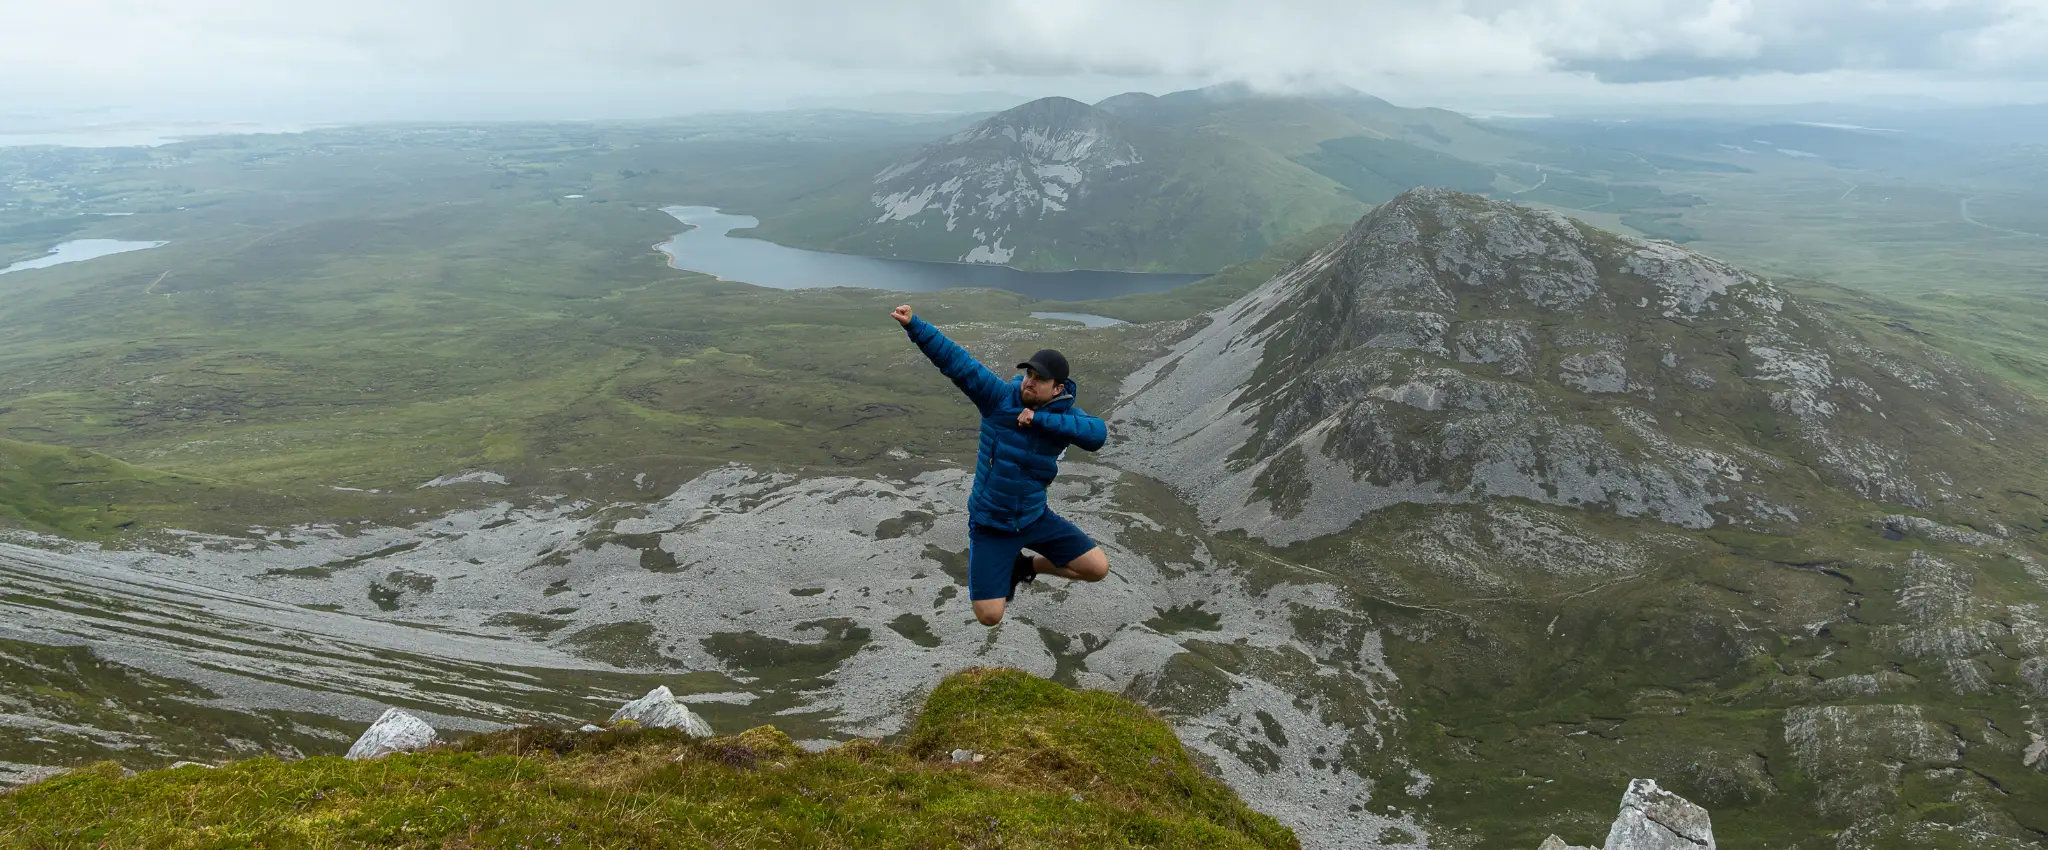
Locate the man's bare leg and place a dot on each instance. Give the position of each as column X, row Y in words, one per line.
column 989, row 611
column 1093, row 566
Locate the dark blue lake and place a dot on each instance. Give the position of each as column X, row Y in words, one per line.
column 708, row 249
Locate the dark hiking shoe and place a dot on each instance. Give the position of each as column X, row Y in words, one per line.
column 1022, row 571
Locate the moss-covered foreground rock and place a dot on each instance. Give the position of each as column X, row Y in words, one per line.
column 1061, row 768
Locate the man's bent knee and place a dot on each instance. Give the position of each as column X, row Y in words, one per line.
column 1093, row 566
column 988, row 611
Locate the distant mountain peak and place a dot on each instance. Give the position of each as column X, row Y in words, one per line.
column 1191, row 181
column 1021, row 165
column 1219, row 92
column 1055, row 129
column 1127, row 101
column 1047, row 111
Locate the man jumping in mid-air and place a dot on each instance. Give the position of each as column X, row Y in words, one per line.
column 1026, row 423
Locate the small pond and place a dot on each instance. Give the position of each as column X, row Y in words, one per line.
column 1086, row 319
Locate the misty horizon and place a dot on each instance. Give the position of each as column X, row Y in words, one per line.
column 453, row 60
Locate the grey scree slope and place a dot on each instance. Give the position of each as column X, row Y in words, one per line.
column 743, row 541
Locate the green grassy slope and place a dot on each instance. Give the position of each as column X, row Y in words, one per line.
column 83, row 692
column 1061, row 768
column 1532, row 702
column 85, row 495
column 1970, row 288
column 433, row 307
column 1374, row 170
column 1293, row 126
column 1209, row 293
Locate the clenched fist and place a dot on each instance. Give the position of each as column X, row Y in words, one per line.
column 902, row 315
column 1024, row 418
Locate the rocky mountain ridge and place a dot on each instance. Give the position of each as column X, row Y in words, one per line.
column 1452, row 349
column 1791, row 552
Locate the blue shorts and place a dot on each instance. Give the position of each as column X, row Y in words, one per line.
column 991, row 554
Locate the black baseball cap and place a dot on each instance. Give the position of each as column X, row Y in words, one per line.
column 1049, row 363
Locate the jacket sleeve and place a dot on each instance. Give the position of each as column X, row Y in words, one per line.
column 981, row 385
column 1077, row 427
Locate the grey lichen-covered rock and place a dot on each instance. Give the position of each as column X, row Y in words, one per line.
column 1655, row 819
column 394, row 732
column 2036, row 754
column 1599, row 372
column 2034, row 672
column 1943, row 624
column 1504, row 344
column 1556, row 843
column 1857, row 753
column 659, row 709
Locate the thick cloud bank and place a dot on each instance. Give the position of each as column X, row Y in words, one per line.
column 232, row 45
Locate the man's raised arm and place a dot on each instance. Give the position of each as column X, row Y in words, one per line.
column 1077, row 428
column 981, row 385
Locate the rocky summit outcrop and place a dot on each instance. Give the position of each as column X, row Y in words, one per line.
column 1652, row 818
column 660, row 709
column 394, row 732
column 1454, row 349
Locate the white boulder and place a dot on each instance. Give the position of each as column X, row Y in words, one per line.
column 1651, row 819
column 660, row 710
column 395, row 732
column 1655, row 819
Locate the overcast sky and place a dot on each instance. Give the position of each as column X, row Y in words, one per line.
column 629, row 58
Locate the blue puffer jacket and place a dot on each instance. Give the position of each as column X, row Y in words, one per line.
column 1016, row 464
